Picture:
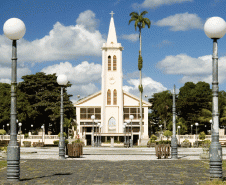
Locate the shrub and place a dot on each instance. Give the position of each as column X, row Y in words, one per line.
column 57, row 142
column 65, row 135
column 207, row 143
column 186, row 141
column 27, row 143
column 202, row 136
column 2, row 132
column 167, row 133
column 77, row 141
column 26, row 135
column 3, row 148
column 163, row 142
column 152, row 139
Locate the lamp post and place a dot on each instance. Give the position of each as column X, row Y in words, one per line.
column 8, row 128
column 42, row 133
column 196, row 124
column 20, row 124
column 174, row 138
column 211, row 122
column 93, row 117
column 178, row 133
column 215, row 28
column 160, row 126
column 131, row 140
column 62, row 81
column 124, row 126
column 191, row 129
column 31, row 128
column 98, row 139
column 100, row 134
column 14, row 29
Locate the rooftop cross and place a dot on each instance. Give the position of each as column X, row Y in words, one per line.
column 112, row 13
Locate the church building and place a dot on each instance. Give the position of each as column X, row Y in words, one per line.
column 111, row 106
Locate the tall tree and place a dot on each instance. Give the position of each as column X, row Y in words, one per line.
column 161, row 108
column 43, row 94
column 140, row 22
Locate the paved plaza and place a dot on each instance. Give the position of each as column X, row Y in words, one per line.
column 110, row 166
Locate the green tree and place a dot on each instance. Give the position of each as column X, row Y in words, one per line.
column 161, row 108
column 168, row 134
column 140, row 22
column 202, row 135
column 194, row 101
column 43, row 94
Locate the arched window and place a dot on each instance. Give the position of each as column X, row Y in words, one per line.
column 115, row 97
column 109, row 97
column 114, row 63
column 109, row 63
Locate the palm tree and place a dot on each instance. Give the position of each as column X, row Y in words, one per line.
column 140, row 22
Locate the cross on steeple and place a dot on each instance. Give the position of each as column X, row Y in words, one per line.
column 112, row 13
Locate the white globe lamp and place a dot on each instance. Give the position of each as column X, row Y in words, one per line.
column 14, row 29
column 215, row 28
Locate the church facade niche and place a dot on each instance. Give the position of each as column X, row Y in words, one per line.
column 112, row 125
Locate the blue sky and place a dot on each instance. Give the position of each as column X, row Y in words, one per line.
column 66, row 37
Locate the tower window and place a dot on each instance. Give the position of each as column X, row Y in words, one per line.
column 115, row 97
column 109, row 97
column 114, row 63
column 109, row 63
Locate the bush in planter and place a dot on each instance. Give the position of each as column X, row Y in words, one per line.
column 26, row 135
column 64, row 134
column 168, row 134
column 163, row 142
column 202, row 136
column 186, row 143
column 2, row 132
column 57, row 142
column 27, row 143
column 206, row 143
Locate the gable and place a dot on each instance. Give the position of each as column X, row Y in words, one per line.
column 131, row 100
column 92, row 100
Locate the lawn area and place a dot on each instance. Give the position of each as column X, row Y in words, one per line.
column 3, row 163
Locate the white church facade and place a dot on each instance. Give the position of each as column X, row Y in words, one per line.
column 111, row 106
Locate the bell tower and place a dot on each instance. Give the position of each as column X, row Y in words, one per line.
column 112, row 94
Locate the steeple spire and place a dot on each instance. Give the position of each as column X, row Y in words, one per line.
column 112, row 39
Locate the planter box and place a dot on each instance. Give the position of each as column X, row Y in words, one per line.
column 38, row 144
column 27, row 143
column 75, row 149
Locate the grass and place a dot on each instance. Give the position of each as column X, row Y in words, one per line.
column 3, row 164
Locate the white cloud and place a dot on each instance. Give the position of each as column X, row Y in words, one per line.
column 158, row 3
column 163, row 44
column 181, row 22
column 87, row 19
column 150, row 87
column 62, row 42
column 131, row 37
column 82, row 77
column 5, row 75
column 192, row 69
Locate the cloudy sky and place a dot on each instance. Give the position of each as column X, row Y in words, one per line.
column 65, row 36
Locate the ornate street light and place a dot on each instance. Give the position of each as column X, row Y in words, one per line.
column 100, row 134
column 160, row 126
column 62, row 80
column 178, row 133
column 20, row 124
column 131, row 140
column 174, row 138
column 98, row 141
column 191, row 129
column 215, row 28
column 14, row 29
column 124, row 127
column 93, row 118
column 96, row 133
column 196, row 124
column 7, row 128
